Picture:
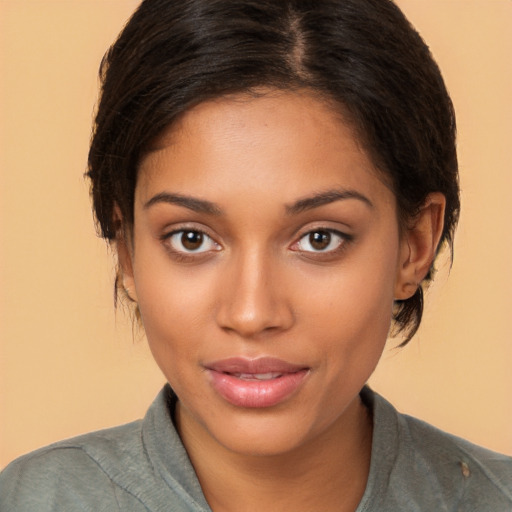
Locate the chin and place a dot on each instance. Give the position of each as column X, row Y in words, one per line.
column 263, row 437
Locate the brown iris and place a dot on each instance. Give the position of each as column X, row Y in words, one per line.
column 192, row 240
column 320, row 240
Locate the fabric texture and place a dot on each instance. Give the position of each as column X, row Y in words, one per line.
column 143, row 466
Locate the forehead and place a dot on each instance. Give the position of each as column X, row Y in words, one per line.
column 288, row 141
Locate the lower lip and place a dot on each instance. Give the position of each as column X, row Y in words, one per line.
column 256, row 393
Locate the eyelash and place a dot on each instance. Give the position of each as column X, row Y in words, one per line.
column 343, row 240
column 190, row 254
column 184, row 254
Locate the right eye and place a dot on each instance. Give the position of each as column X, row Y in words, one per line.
column 191, row 241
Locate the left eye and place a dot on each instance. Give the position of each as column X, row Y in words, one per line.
column 191, row 241
column 320, row 240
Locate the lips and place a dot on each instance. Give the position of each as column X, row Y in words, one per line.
column 253, row 383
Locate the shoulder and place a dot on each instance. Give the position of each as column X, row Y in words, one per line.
column 429, row 439
column 416, row 466
column 65, row 474
column 461, row 472
column 136, row 467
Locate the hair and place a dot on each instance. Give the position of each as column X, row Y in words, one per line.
column 362, row 55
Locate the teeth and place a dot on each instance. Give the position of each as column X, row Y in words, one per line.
column 257, row 376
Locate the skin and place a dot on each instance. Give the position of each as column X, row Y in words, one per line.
column 257, row 286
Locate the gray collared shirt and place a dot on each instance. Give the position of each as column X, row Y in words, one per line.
column 143, row 466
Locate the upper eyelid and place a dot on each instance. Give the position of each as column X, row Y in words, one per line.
column 321, row 227
column 202, row 232
column 333, row 231
column 171, row 230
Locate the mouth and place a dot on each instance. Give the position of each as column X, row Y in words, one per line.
column 257, row 376
column 256, row 383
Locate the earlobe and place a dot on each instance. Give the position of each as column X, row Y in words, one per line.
column 419, row 245
column 124, row 257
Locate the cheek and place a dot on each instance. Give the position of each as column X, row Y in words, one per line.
column 166, row 291
column 350, row 315
column 175, row 306
column 355, row 297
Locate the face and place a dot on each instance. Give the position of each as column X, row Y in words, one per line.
column 265, row 258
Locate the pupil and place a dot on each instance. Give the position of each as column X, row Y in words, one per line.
column 192, row 240
column 320, row 239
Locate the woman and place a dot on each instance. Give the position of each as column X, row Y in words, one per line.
column 277, row 178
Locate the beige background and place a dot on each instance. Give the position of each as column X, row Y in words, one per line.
column 70, row 364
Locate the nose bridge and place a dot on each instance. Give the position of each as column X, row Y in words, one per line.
column 253, row 299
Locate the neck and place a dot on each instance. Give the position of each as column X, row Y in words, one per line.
column 328, row 473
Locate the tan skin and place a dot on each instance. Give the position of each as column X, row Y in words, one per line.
column 286, row 245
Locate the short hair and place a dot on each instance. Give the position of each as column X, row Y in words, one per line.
column 363, row 55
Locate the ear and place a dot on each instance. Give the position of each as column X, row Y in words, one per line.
column 418, row 246
column 124, row 249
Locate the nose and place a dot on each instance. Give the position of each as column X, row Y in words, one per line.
column 254, row 298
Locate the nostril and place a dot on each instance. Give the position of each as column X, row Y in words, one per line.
column 255, row 321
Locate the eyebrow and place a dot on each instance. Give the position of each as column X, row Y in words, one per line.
column 192, row 203
column 302, row 205
column 327, row 197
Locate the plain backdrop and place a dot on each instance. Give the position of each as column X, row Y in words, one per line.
column 69, row 363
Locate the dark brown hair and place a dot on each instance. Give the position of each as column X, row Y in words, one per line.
column 363, row 55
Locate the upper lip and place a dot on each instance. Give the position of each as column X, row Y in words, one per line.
column 255, row 366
